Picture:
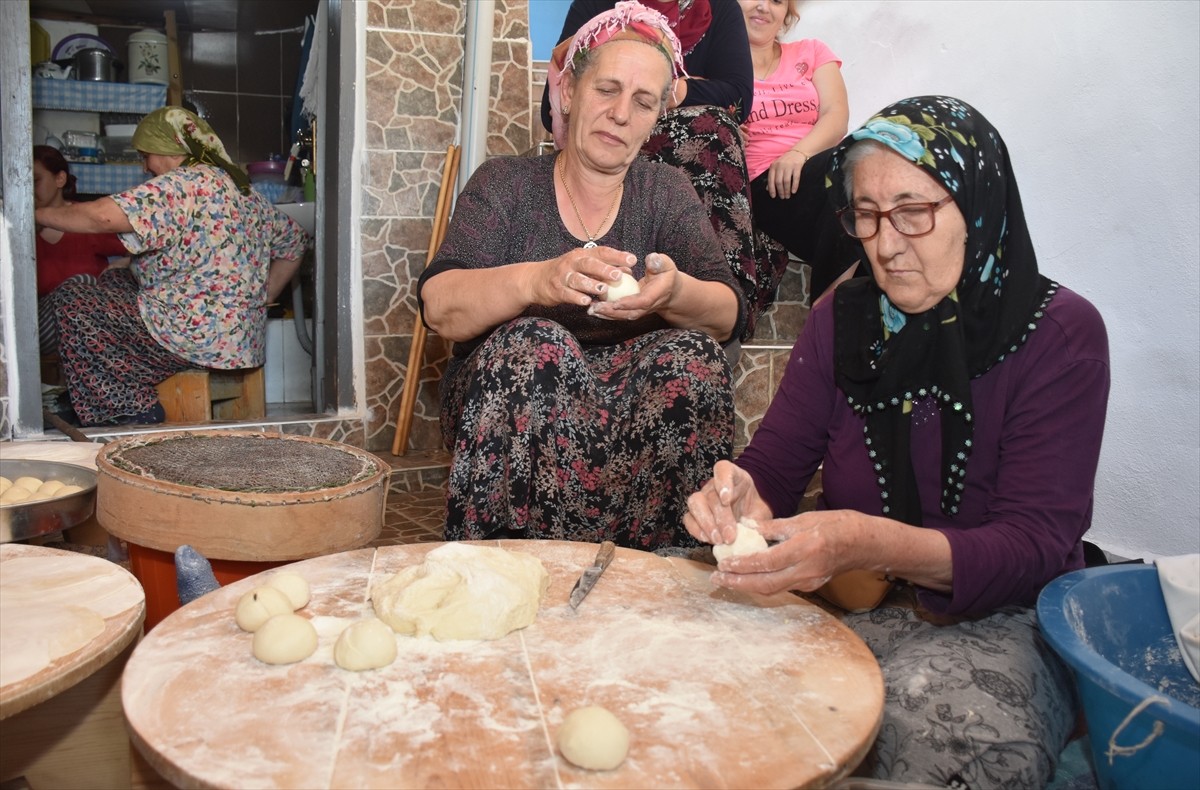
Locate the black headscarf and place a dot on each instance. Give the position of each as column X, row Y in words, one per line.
column 885, row 359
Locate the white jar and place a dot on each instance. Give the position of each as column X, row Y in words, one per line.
column 148, row 57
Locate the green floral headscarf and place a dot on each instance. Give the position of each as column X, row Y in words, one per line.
column 174, row 131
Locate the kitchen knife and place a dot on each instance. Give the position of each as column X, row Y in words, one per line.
column 590, row 574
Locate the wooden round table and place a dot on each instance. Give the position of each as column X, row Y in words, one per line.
column 62, row 723
column 718, row 689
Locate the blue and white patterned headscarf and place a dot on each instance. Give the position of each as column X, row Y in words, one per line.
column 886, row 359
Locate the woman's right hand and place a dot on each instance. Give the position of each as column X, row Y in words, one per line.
column 578, row 276
column 713, row 511
column 783, row 176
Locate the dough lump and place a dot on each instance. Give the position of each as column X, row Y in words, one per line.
column 626, row 286
column 293, row 585
column 285, row 639
column 366, row 644
column 260, row 605
column 748, row 541
column 593, row 738
column 463, row 591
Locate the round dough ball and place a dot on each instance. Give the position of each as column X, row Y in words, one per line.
column 367, row 644
column 293, row 585
column 593, row 738
column 260, row 605
column 5, row 484
column 65, row 490
column 30, row 484
column 748, row 541
column 285, row 639
column 13, row 495
column 626, row 286
column 50, row 487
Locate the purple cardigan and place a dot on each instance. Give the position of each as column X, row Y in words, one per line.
column 1039, row 419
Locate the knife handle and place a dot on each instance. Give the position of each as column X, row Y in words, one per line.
column 608, row 550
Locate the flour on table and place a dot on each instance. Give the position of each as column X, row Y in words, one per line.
column 36, row 635
column 463, row 591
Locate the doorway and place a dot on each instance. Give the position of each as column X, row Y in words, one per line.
column 227, row 49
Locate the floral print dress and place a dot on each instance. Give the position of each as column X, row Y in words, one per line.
column 568, row 426
column 194, row 296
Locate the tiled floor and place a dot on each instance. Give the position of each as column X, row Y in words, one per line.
column 414, row 517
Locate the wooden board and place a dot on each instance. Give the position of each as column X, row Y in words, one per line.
column 717, row 689
column 120, row 629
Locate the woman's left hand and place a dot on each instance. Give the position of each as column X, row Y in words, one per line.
column 807, row 554
column 657, row 289
column 783, row 176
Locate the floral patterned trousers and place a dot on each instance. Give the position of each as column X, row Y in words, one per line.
column 981, row 703
column 110, row 361
column 552, row 439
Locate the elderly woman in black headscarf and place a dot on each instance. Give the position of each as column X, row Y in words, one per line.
column 956, row 398
column 209, row 254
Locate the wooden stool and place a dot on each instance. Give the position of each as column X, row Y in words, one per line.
column 204, row 395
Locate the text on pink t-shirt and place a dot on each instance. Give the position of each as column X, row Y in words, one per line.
column 786, row 104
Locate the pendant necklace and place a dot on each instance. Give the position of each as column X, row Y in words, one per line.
column 591, row 242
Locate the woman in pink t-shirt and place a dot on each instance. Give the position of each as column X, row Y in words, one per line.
column 800, row 111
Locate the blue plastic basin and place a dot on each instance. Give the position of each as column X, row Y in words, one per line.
column 1141, row 704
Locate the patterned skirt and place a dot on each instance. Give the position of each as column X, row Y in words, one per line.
column 110, row 361
column 552, row 439
column 968, row 703
column 706, row 143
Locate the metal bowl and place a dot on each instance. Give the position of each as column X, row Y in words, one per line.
column 23, row 520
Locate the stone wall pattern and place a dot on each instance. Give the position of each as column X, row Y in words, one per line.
column 414, row 84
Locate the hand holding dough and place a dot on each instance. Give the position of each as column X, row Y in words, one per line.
column 626, row 286
column 748, row 541
column 593, row 738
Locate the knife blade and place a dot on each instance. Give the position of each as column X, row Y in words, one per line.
column 591, row 573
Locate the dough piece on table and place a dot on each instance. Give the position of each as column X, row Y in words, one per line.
column 626, row 286
column 593, row 738
column 285, row 639
column 463, row 591
column 293, row 585
column 748, row 541
column 367, row 644
column 260, row 605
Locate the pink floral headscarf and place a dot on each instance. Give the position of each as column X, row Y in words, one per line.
column 628, row 20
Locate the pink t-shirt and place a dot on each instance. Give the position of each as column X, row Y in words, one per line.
column 786, row 104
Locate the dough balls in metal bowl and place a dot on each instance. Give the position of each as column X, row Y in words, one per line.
column 48, row 508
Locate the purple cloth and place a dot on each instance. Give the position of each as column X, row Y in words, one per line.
column 1028, row 499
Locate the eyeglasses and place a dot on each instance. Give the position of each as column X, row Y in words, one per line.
column 911, row 219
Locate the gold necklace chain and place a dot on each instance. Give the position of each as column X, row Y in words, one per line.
column 591, row 242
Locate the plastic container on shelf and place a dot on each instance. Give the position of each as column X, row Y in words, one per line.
column 1142, row 706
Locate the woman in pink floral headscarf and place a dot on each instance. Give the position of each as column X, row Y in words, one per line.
column 573, row 414
column 699, row 131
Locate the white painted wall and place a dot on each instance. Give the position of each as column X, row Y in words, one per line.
column 1099, row 103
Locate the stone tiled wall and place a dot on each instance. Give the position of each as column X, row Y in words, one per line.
column 414, row 84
